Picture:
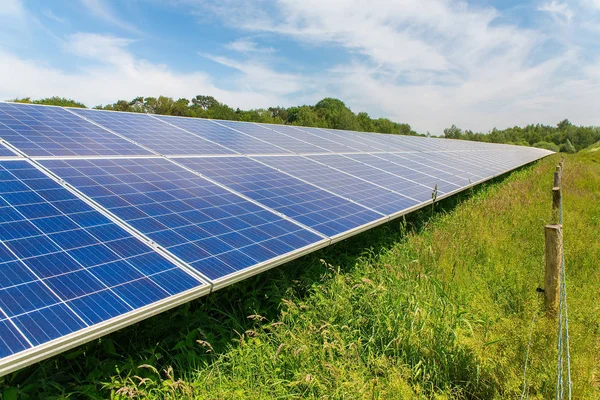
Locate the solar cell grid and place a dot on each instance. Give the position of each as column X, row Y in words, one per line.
column 323, row 211
column 230, row 138
column 326, row 144
column 374, row 175
column 64, row 266
column 339, row 136
column 336, row 181
column 423, row 174
column 212, row 229
column 282, row 141
column 54, row 131
column 5, row 152
column 152, row 133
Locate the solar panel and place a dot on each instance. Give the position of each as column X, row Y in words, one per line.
column 152, row 133
column 118, row 216
column 324, row 143
column 285, row 142
column 323, row 211
column 422, row 174
column 215, row 231
column 388, row 180
column 65, row 267
column 337, row 136
column 5, row 152
column 341, row 183
column 53, row 131
column 229, row 138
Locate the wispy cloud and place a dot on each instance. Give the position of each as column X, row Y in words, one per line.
column 46, row 12
column 100, row 9
column 245, row 45
column 559, row 11
column 430, row 62
column 108, row 71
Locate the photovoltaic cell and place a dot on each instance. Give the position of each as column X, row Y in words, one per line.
column 323, row 211
column 54, row 131
column 383, row 200
column 377, row 176
column 324, row 143
column 4, row 152
column 152, row 133
column 212, row 229
column 282, row 141
column 64, row 266
column 229, row 138
column 412, row 171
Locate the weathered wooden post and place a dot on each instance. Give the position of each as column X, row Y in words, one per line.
column 554, row 250
column 557, row 176
column 556, row 199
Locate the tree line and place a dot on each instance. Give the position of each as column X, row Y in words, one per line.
column 333, row 113
column 564, row 137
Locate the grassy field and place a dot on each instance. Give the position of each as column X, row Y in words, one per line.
column 437, row 305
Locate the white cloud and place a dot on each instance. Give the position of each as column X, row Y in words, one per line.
column 248, row 46
column 102, row 11
column 431, row 63
column 259, row 78
column 559, row 11
column 106, row 72
column 11, row 8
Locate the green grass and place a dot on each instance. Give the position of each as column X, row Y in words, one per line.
column 437, row 305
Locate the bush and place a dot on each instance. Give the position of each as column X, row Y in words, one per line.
column 568, row 147
column 547, row 145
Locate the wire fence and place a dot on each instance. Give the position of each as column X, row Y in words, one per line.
column 564, row 384
column 564, row 353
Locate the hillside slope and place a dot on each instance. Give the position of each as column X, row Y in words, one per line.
column 435, row 306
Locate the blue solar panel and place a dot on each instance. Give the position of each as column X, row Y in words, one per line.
column 212, row 229
column 153, row 133
column 337, row 181
column 323, row 211
column 227, row 137
column 410, row 170
column 5, row 151
column 53, row 131
column 282, row 141
column 326, row 144
column 377, row 176
column 64, row 266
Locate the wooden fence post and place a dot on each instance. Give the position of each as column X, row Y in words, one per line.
column 554, row 250
column 557, row 176
column 556, row 197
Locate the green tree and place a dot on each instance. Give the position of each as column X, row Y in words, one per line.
column 453, row 132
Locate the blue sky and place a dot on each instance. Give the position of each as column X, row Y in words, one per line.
column 430, row 63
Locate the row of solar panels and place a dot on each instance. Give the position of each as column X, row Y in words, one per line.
column 54, row 131
column 108, row 222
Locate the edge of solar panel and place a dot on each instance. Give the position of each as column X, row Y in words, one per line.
column 56, row 346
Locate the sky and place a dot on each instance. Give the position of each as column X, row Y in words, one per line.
column 478, row 64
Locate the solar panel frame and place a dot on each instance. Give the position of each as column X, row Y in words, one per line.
column 282, row 141
column 138, row 127
column 227, row 137
column 33, row 174
column 124, row 211
column 310, row 204
column 66, row 132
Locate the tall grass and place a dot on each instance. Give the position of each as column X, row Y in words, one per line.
column 437, row 305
